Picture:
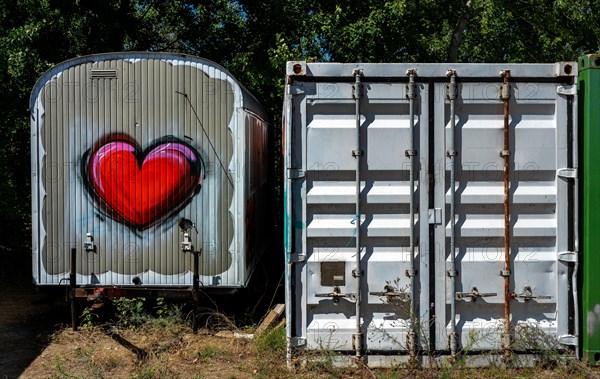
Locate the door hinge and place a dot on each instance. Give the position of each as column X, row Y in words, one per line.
column 566, row 90
column 568, row 339
column 568, row 256
column 297, row 341
column 567, row 173
column 296, row 258
column 295, row 173
column 435, row 216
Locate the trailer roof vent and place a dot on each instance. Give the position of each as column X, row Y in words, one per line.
column 103, row 74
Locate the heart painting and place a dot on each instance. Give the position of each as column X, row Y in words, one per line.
column 142, row 188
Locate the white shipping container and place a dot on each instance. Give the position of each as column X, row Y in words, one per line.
column 130, row 151
column 395, row 214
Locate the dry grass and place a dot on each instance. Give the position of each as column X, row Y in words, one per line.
column 162, row 345
column 173, row 351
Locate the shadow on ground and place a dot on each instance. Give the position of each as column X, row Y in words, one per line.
column 28, row 318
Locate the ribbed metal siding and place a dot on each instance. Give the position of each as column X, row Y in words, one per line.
column 78, row 106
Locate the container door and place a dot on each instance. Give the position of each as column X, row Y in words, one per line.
column 322, row 170
column 541, row 157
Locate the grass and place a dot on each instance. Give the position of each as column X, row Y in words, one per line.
column 162, row 345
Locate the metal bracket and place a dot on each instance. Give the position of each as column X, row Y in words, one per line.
column 410, row 153
column 297, row 258
column 474, row 294
column 504, row 153
column 451, row 87
column 505, row 273
column 89, row 244
column 528, row 295
column 435, row 216
column 337, row 295
column 452, row 273
column 568, row 256
column 186, row 244
column 410, row 273
column 567, row 173
column 451, row 153
column 357, row 153
column 296, row 90
column 355, row 273
column 411, row 92
column 568, row 339
column 295, row 68
column 566, row 90
column 357, row 72
column 295, row 173
column 297, row 342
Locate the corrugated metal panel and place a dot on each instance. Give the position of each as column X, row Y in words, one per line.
column 320, row 218
column 126, row 147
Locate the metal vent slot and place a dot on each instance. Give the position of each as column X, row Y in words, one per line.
column 103, row 74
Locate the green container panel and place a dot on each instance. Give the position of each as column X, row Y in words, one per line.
column 589, row 118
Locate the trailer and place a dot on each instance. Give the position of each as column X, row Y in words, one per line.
column 431, row 211
column 142, row 162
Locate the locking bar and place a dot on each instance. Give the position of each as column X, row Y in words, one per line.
column 528, row 295
column 337, row 294
column 473, row 295
column 392, row 294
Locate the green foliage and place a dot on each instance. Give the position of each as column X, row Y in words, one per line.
column 135, row 312
column 88, row 316
column 254, row 39
column 131, row 313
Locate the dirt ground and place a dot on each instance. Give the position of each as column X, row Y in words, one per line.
column 37, row 342
column 27, row 319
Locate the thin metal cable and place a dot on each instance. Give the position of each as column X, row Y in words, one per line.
column 207, row 137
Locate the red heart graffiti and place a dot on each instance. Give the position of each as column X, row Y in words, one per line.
column 143, row 188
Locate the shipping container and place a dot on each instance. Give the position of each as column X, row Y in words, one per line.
column 431, row 210
column 139, row 160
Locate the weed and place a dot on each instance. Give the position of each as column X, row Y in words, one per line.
column 130, row 312
column 58, row 363
column 272, row 341
column 145, row 373
column 207, row 353
column 87, row 317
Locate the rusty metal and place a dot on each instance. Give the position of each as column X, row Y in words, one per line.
column 96, row 294
column 196, row 290
column 505, row 153
column 72, row 289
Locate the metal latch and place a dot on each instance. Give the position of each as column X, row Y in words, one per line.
column 473, row 295
column 566, row 90
column 186, row 244
column 297, row 341
column 89, row 245
column 295, row 173
column 527, row 295
column 568, row 256
column 567, row 173
column 337, row 295
column 568, row 339
column 296, row 258
column 392, row 294
column 435, row 216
